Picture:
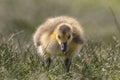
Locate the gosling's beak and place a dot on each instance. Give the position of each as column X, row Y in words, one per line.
column 64, row 46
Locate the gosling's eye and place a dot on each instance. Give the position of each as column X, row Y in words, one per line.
column 69, row 37
column 59, row 36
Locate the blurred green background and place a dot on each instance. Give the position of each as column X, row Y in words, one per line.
column 98, row 60
column 24, row 16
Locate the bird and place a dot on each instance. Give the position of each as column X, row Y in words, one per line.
column 59, row 36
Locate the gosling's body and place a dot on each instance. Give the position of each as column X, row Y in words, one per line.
column 59, row 36
column 51, row 48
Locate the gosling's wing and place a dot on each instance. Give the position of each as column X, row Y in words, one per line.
column 77, row 38
column 78, row 34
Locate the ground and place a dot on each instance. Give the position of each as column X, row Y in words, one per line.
column 97, row 60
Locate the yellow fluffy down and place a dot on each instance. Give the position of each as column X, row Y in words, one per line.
column 53, row 32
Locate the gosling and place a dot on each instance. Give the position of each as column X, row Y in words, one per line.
column 59, row 36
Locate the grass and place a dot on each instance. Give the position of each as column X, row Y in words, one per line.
column 96, row 61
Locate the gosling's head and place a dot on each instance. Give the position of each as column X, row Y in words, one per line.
column 64, row 36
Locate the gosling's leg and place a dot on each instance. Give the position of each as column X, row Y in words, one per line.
column 67, row 63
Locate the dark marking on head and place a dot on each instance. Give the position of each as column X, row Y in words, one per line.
column 64, row 29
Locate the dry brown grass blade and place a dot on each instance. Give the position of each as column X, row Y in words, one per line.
column 115, row 18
